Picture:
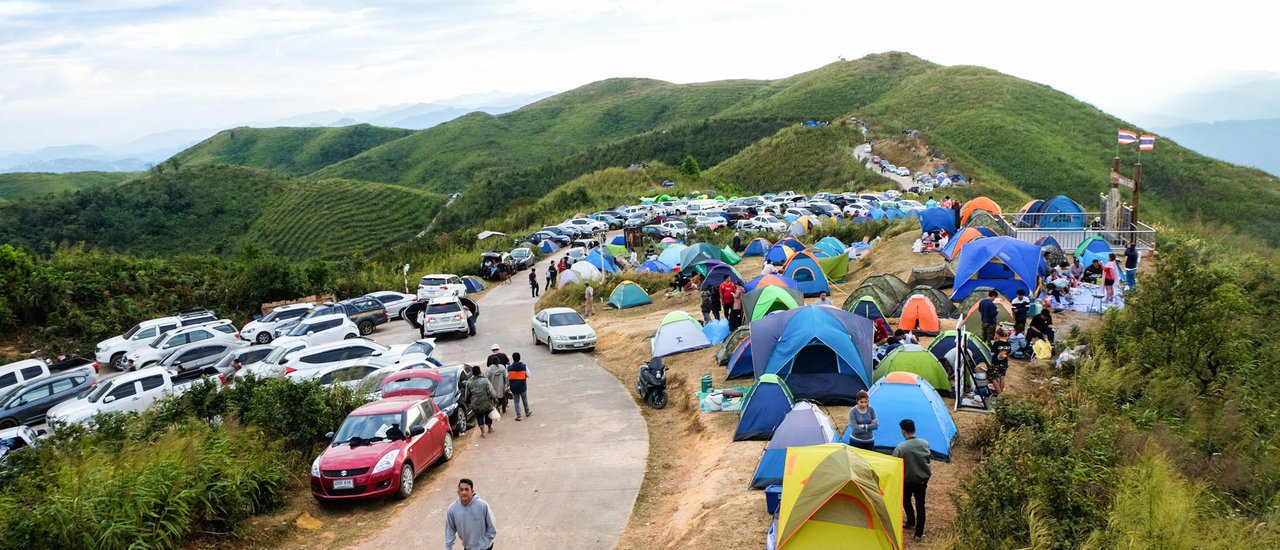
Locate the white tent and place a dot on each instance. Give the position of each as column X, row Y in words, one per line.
column 678, row 333
column 568, row 277
column 586, row 271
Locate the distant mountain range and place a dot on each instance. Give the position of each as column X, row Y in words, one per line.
column 141, row 154
column 1244, row 142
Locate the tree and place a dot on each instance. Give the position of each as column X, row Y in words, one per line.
column 690, row 167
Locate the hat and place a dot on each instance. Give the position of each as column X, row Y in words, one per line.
column 495, row 347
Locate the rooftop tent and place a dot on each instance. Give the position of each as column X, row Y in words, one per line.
column 763, row 408
column 1026, row 214
column 891, row 285
column 917, row 314
column 716, row 272
column 916, row 360
column 671, row 256
column 792, row 244
column 587, row 271
column 679, row 332
column 619, row 240
column 716, row 331
column 739, row 364
column 731, row 343
column 768, row 299
column 982, row 220
column 601, row 261
column 779, row 254
column 836, row 268
column 628, row 294
column 938, row 276
column 805, row 425
column 866, row 306
column 903, row 395
column 472, row 283
column 874, row 292
column 957, row 242
column 653, row 266
column 758, row 246
column 980, row 203
column 941, row 303
column 1051, row 250
column 823, row 353
column 729, row 256
column 945, row 345
column 973, row 319
column 615, row 249
column 1094, row 247
column 808, row 273
column 771, row 280
column 568, row 277
column 1060, row 212
column 1003, row 263
column 836, row 496
column 938, row 219
column 548, row 246
column 694, row 255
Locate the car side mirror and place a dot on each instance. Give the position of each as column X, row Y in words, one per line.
column 108, row 399
column 257, row 317
column 417, row 430
column 377, row 354
column 329, row 436
column 310, row 332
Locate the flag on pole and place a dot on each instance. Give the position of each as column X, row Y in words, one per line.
column 1126, row 137
column 1147, row 142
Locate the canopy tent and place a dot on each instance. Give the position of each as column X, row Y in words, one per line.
column 628, row 294
column 768, row 299
column 1093, row 248
column 486, row 234
column 917, row 314
column 473, row 284
column 587, row 271
column 548, row 246
column 601, row 260
column 758, row 246
column 832, row 246
column 728, row 256
column 837, row 496
column 679, row 332
column 938, row 276
column 653, row 266
column 804, row 425
column 771, row 280
column 980, row 203
column 956, row 243
column 1060, row 212
column 779, row 253
column 823, row 353
column 1003, row 263
column 903, row 395
column 568, row 277
column 697, row 254
column 835, row 268
column 671, row 256
column 715, row 272
column 725, row 351
column 716, row 331
column 866, row 306
column 1026, row 214
column 941, row 304
column 937, row 219
column 808, row 273
column 891, row 285
column 973, row 319
column 916, row 360
column 944, row 347
column 763, row 408
column 739, row 365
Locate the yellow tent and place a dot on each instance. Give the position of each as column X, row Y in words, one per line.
column 835, row 496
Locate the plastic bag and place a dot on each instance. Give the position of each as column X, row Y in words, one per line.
column 1044, row 350
column 494, row 415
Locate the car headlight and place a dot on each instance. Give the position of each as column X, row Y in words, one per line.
column 386, row 462
column 315, row 468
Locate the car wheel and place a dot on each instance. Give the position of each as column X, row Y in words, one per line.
column 460, row 427
column 366, row 327
column 447, row 454
column 8, row 423
column 117, row 361
column 406, row 481
column 536, row 342
column 263, row 337
column 551, row 347
column 349, row 336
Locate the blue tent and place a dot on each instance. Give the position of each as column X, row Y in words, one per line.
column 766, row 404
column 668, row 183
column 792, row 243
column 894, row 214
column 831, row 246
column 787, row 281
column 758, row 246
column 671, row 256
column 716, row 272
column 805, row 425
column 1003, row 263
column 619, row 240
column 808, row 274
column 740, row 362
column 1093, row 248
column 867, row 306
column 1027, row 216
column 602, row 260
column 653, row 266
column 938, row 219
column 716, row 331
column 1060, row 212
column 877, row 214
column 548, row 246
column 628, row 294
column 777, row 254
column 823, row 353
column 903, row 395
column 473, row 284
column 955, row 242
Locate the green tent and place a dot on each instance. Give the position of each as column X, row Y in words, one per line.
column 883, row 298
column 891, row 286
column 732, row 258
column 664, row 198
column 768, row 299
column 720, row 198
column 915, row 359
column 836, row 268
column 616, row 249
column 628, row 294
column 731, row 343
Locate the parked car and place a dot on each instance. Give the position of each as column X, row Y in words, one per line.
column 823, row 209
column 200, row 355
column 561, row 328
column 588, row 225
column 272, row 365
column 366, row 313
column 154, row 351
column 261, row 330
column 321, row 329
column 432, row 286
column 343, row 374
column 315, row 357
column 741, row 212
column 654, row 231
column 128, row 392
column 709, row 222
column 585, row 244
column 452, row 396
column 27, row 370
column 575, row 254
column 610, row 222
column 445, row 314
column 762, row 224
column 16, row 439
column 27, row 403
column 113, row 350
column 568, row 234
column 381, row 448
column 676, row 229
column 538, row 236
column 394, row 302
column 523, row 257
column 496, row 266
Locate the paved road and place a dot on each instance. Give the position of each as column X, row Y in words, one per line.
column 567, row 477
column 904, row 182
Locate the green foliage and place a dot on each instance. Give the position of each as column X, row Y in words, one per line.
column 800, row 158
column 22, row 185
column 291, row 151
column 689, row 166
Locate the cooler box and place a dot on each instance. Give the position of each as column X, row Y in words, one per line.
column 772, row 498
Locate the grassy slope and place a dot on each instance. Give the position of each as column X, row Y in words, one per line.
column 293, row 151
column 21, row 185
column 799, row 158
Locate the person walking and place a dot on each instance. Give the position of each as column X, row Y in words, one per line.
column 533, row 282
column 552, row 275
column 1021, row 306
column 710, row 304
column 1109, row 276
column 496, row 357
column 518, row 378
column 735, row 314
column 496, row 372
column 914, row 453
column 726, row 296
column 1131, row 266
column 469, row 520
column 987, row 309
column 862, row 421
column 422, row 322
column 481, row 399
column 589, row 296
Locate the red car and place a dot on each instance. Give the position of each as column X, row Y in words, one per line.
column 380, row 449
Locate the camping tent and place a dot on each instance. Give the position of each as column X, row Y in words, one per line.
column 805, row 425
column 836, row 496
column 835, row 268
column 941, row 304
column 1003, row 263
column 679, row 332
column 568, row 277
column 739, row 365
column 728, row 256
column 548, row 246
column 587, row 271
column 716, row 331
column 616, row 249
column 974, row 297
column 725, row 351
column 779, row 253
column 1051, row 251
column 832, row 246
column 671, row 256
column 771, row 280
column 806, row 270
column 697, row 254
column 903, row 395
column 763, row 408
column 715, row 272
column 792, row 244
column 823, row 353
column 918, row 314
column 628, row 294
column 1093, row 248
column 980, row 203
column 973, row 319
column 870, row 291
column 985, row 220
column 866, row 306
column 473, row 283
column 945, row 344
column 800, row 227
column 938, row 276
column 768, row 299
column 1060, row 212
column 619, row 239
column 1027, row 214
column 917, row 360
column 877, row 214
column 956, row 243
column 653, row 266
column 601, row 260
column 891, row 285
column 758, row 246
column 937, row 219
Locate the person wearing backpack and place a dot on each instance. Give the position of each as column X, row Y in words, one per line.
column 481, row 399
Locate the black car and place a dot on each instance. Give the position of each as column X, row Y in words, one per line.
column 367, row 313
column 538, row 237
column 27, row 403
column 823, row 209
column 524, row 258
column 451, row 396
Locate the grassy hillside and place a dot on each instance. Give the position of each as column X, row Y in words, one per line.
column 21, row 185
column 800, row 158
column 293, row 151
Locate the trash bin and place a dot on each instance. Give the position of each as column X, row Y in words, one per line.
column 772, row 498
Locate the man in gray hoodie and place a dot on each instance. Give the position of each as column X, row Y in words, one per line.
column 470, row 519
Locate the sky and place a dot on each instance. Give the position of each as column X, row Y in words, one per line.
column 107, row 71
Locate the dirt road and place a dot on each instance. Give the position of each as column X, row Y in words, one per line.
column 565, row 478
column 903, row 182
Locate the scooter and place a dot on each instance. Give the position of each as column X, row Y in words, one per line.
column 652, row 385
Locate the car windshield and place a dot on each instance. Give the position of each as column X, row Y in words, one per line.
column 7, row 394
column 447, row 307
column 422, row 383
column 448, row 380
column 101, row 390
column 278, row 354
column 566, row 319
column 132, row 330
column 367, row 428
column 432, row 281
column 521, row 253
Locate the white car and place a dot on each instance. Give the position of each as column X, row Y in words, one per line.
column 908, row 205
column 128, row 392
column 113, row 350
column 676, row 229
column 575, row 254
column 445, row 314
column 893, row 193
column 311, row 358
column 157, row 349
column 321, row 329
column 395, row 302
column 431, row 286
column 261, row 330
column 347, row 373
column 903, row 171
column 763, row 223
column 590, row 225
column 271, row 366
column 561, row 328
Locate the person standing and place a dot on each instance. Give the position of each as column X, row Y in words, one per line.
column 987, row 309
column 862, row 421
column 955, row 207
column 589, row 296
column 914, row 453
column 726, row 296
column 481, row 399
column 1131, row 266
column 1109, row 276
column 823, row 300
column 470, row 519
column 1021, row 306
column 471, row 319
column 735, row 314
column 496, row 372
column 1001, row 349
column 533, row 282
column 710, row 304
column 552, row 275
column 496, row 357
column 422, row 322
column 518, row 378
column 737, row 241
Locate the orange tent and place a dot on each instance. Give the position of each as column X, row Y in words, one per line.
column 980, row 203
column 919, row 315
column 957, row 242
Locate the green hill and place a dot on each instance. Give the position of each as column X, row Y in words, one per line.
column 799, row 158
column 292, row 151
column 21, row 185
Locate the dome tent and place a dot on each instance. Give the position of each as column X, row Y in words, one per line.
column 768, row 299
column 823, row 353
column 628, row 294
column 771, row 280
column 866, row 306
column 916, row 360
column 679, row 332
column 653, row 266
column 763, row 408
column 902, row 395
column 945, row 344
column 671, row 256
column 837, row 496
column 919, row 315
column 804, row 425
column 739, row 365
column 1093, row 248
column 808, row 273
column 725, row 351
column 980, row 203
column 714, row 273
column 937, row 219
column 1003, row 263
column 758, row 246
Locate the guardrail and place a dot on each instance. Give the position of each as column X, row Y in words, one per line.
column 1065, row 228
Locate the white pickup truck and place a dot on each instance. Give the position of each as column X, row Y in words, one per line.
column 129, row 392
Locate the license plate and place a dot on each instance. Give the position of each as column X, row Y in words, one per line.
column 344, row 484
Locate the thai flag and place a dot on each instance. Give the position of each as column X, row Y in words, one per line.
column 1126, row 137
column 1147, row 142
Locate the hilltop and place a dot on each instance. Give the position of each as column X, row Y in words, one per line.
column 291, row 151
column 21, row 185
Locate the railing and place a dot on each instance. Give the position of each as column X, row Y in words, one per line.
column 1067, row 231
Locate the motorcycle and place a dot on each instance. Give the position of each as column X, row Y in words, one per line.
column 652, row 383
